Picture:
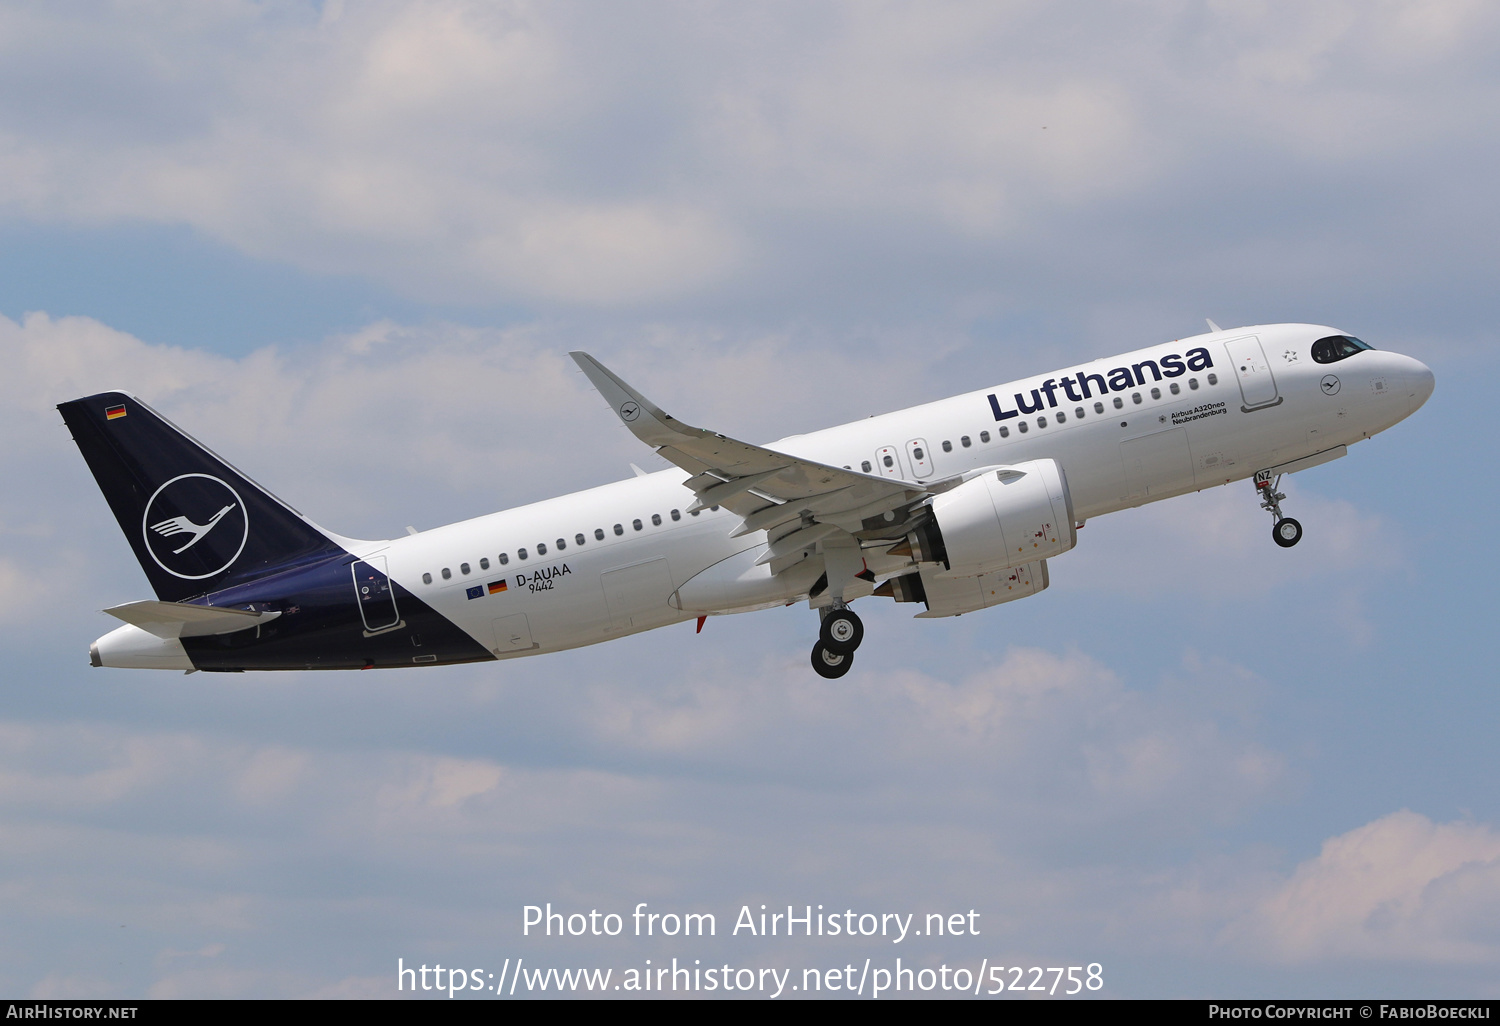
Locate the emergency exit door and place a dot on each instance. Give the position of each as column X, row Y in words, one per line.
column 887, row 462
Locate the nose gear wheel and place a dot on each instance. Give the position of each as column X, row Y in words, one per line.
column 1287, row 532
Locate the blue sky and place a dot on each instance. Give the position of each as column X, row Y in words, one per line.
column 1211, row 765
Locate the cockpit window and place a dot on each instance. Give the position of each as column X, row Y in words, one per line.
column 1337, row 347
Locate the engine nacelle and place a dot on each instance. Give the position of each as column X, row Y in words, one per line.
column 1002, row 518
column 953, row 596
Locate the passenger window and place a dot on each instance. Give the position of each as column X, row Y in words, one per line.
column 562, row 544
column 964, row 441
column 656, row 520
column 947, row 445
column 426, row 578
column 713, row 509
column 984, row 436
column 916, row 453
column 1135, row 397
column 598, row 534
column 865, row 466
column 695, row 512
column 1078, row 413
column 677, row 515
column 619, row 530
column 1041, row 422
column 1192, row 382
column 504, row 558
column 889, row 462
column 1119, row 403
column 484, row 562
column 579, row 539
column 1004, row 431
column 1021, row 427
column 541, row 548
column 1098, row 407
column 1156, row 393
column 1062, row 418
column 463, row 568
column 520, row 553
column 1213, row 379
column 1175, row 387
column 447, row 573
column 636, row 524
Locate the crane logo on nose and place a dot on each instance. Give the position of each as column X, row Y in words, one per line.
column 1329, row 385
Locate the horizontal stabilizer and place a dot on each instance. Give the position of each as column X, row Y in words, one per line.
column 180, row 620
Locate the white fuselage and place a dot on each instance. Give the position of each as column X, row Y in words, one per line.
column 1119, row 449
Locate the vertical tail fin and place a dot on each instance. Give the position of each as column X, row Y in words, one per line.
column 196, row 524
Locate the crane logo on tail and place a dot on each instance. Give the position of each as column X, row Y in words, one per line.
column 195, row 526
column 182, row 525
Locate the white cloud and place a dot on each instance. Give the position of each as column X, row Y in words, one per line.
column 1218, row 541
column 1399, row 889
column 562, row 154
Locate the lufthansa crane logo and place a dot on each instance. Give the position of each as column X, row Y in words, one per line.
column 630, row 411
column 195, row 526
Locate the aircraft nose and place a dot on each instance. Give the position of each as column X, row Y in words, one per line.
column 1420, row 383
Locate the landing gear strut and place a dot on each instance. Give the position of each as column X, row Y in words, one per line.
column 1285, row 532
column 838, row 637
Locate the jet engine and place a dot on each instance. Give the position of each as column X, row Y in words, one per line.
column 1002, row 517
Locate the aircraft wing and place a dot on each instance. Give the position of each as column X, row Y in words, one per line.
column 797, row 501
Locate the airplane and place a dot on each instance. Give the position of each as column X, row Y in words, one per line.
column 953, row 506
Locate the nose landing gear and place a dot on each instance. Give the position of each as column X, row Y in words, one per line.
column 838, row 637
column 1285, row 532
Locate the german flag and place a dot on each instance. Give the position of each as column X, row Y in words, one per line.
column 114, row 412
column 496, row 587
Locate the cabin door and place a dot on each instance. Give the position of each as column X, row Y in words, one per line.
column 372, row 590
column 1257, row 384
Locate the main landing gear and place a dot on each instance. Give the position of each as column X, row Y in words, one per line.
column 838, row 637
column 1286, row 532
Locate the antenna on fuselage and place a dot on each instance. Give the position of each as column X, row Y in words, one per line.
column 1212, row 326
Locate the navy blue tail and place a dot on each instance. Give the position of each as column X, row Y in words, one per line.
column 196, row 524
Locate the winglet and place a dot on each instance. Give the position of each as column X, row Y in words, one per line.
column 1212, row 326
column 643, row 417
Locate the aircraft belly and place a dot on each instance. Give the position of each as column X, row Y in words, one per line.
column 738, row 583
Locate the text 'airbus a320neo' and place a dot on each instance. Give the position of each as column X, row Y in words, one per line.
column 953, row 506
